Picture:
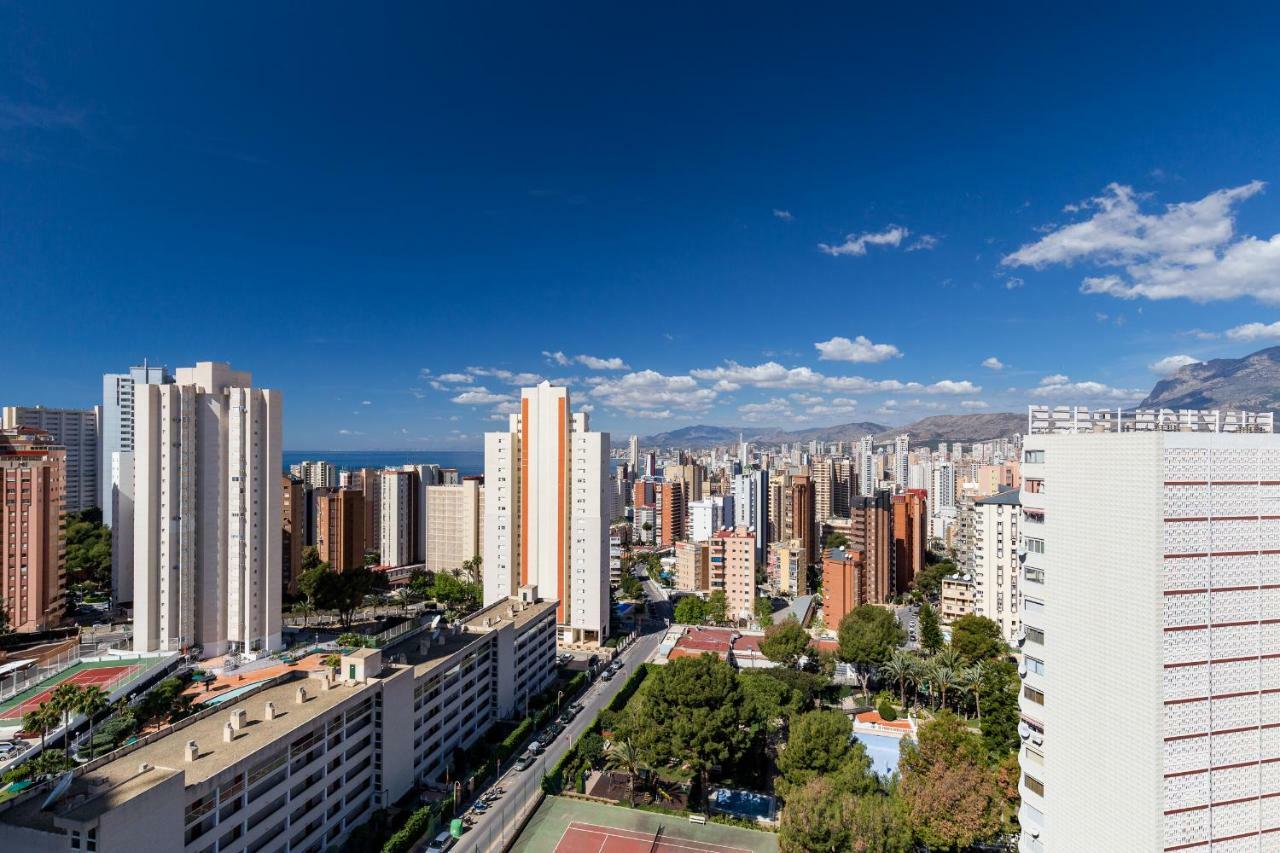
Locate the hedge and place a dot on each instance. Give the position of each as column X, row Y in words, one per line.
column 419, row 824
column 513, row 740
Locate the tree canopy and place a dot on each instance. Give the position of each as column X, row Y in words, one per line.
column 691, row 610
column 717, row 607
column 867, row 636
column 785, row 643
column 930, row 631
column 977, row 638
column 951, row 795
column 820, row 744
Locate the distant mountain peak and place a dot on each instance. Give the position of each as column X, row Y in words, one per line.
column 930, row 430
column 1251, row 382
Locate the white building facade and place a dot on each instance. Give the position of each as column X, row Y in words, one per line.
column 547, row 512
column 1151, row 587
column 206, row 532
column 993, row 559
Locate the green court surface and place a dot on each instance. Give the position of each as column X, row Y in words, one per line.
column 8, row 706
column 550, row 829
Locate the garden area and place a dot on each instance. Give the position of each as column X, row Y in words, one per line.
column 678, row 734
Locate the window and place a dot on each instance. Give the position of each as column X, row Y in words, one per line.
column 1035, row 457
column 1033, row 546
column 1034, row 695
column 1035, row 635
column 1031, row 573
column 1034, row 664
column 1033, row 784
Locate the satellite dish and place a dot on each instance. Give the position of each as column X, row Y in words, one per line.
column 59, row 788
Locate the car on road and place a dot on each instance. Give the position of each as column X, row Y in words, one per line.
column 444, row 841
column 607, row 675
column 524, row 761
column 536, row 748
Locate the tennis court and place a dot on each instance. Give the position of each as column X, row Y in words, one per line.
column 590, row 838
column 570, row 825
column 102, row 676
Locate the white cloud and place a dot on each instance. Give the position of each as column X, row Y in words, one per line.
column 557, row 357
column 366, row 402
column 585, row 407
column 594, row 363
column 923, row 243
column 972, row 404
column 1059, row 385
column 506, row 376
column 349, row 432
column 644, row 390
column 806, row 399
column 993, row 363
column 1190, row 250
column 767, row 375
column 1253, row 332
column 784, row 215
column 1172, row 364
column 455, row 377
column 859, row 349
column 856, row 244
column 775, row 409
column 1013, row 282
column 480, row 396
column 953, row 386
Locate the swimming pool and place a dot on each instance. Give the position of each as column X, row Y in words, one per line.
column 744, row 804
column 231, row 694
column 883, row 751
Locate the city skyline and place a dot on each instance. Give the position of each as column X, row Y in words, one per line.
column 901, row 217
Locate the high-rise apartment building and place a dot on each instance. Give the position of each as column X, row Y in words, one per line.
column 672, row 511
column 731, row 561
column 992, row 558
column 546, row 521
column 32, row 566
column 371, row 487
column 798, row 518
column 844, row 584
column 77, row 431
column 866, row 472
column 206, row 532
column 316, row 473
column 634, row 456
column 293, row 520
column 455, row 517
column 340, row 528
column 1157, row 530
column 910, row 531
column 398, row 506
column 708, row 516
column 901, row 460
column 872, row 534
column 787, row 570
column 116, row 434
column 751, row 507
column 693, row 566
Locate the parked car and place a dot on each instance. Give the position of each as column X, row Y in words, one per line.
column 536, row 748
column 607, row 675
column 524, row 761
column 442, row 842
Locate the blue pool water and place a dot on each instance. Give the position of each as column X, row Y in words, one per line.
column 746, row 804
column 231, row 694
column 883, row 751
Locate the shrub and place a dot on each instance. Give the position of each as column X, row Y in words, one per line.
column 886, row 709
column 420, row 823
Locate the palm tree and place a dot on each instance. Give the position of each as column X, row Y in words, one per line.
column 899, row 668
column 624, row 756
column 944, row 678
column 949, row 658
column 65, row 699
column 41, row 720
column 93, row 701
column 971, row 680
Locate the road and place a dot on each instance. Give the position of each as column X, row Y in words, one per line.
column 493, row 830
column 907, row 617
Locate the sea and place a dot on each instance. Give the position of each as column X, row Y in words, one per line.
column 468, row 462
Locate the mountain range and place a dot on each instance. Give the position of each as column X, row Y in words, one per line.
column 1251, row 382
column 930, row 430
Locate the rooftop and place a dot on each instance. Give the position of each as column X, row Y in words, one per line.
column 1005, row 497
column 102, row 788
column 1072, row 419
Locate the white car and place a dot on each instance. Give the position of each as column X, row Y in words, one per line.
column 443, row 842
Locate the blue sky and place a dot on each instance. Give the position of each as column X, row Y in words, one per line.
column 697, row 213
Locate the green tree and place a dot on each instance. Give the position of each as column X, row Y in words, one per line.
column 998, row 694
column 900, row 667
column 40, row 720
column 716, row 607
column 977, row 638
column 867, row 636
column 835, row 539
column 930, row 631
column 763, row 610
column 631, row 588
column 878, row 824
column 785, row 643
column 315, row 581
column 65, row 698
column 310, row 558
column 91, row 702
column 88, row 550
column 820, row 744
column 691, row 610
column 942, row 678
column 816, row 819
column 928, row 581
column 692, row 711
column 952, row 797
